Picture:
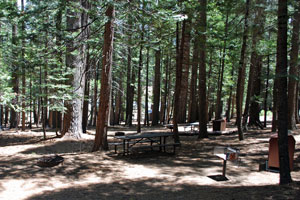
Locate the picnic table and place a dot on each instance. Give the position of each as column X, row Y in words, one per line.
column 192, row 126
column 146, row 140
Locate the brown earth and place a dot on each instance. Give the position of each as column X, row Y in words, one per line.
column 146, row 175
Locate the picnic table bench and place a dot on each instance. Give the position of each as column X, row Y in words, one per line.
column 140, row 141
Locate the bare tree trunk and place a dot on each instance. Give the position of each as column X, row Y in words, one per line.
column 267, row 92
column 297, row 105
column 166, row 92
column 256, row 89
column 230, row 98
column 146, row 122
column 103, row 114
column 119, row 99
column 282, row 65
column 23, row 69
column 185, row 62
column 241, row 76
column 192, row 117
column 1, row 116
column 177, row 86
column 85, row 20
column 220, row 87
column 94, row 117
column 139, row 98
column 77, row 62
column 86, row 97
column 15, row 79
column 293, row 71
column 202, row 72
column 156, row 88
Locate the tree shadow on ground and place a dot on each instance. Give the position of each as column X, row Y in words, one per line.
column 158, row 189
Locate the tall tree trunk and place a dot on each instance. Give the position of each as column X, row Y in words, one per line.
column 282, row 65
column 297, row 104
column 166, row 91
column 241, row 75
column 103, row 114
column 230, row 98
column 1, row 116
column 130, row 72
column 23, row 68
column 192, row 117
column 85, row 108
column 77, row 62
column 6, row 116
column 220, row 87
column 267, row 92
column 202, row 71
column 94, row 117
column 15, row 78
column 119, row 99
column 156, row 88
column 85, row 21
column 139, row 97
column 257, row 31
column 177, row 86
column 185, row 62
column 293, row 71
column 146, row 122
column 256, row 89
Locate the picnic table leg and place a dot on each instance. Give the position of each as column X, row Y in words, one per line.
column 165, row 143
column 224, row 168
column 127, row 147
column 124, row 150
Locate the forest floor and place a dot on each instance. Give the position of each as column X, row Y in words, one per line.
column 148, row 175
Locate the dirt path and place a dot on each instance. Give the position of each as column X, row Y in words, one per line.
column 185, row 175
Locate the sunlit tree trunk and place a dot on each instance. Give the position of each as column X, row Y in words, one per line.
column 105, row 91
column 77, row 62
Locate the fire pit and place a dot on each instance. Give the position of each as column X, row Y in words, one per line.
column 50, row 161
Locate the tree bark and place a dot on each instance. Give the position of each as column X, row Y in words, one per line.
column 23, row 69
column 282, row 65
column 202, row 72
column 177, row 86
column 241, row 75
column 146, row 121
column 220, row 87
column 192, row 117
column 293, row 71
column 15, row 79
column 156, row 89
column 77, row 62
column 103, row 114
column 256, row 89
column 139, row 98
column 267, row 92
column 185, row 62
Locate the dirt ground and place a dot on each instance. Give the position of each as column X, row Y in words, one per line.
column 147, row 175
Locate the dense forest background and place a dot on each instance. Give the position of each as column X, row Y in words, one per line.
column 68, row 65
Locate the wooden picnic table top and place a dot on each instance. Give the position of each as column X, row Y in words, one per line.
column 145, row 135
